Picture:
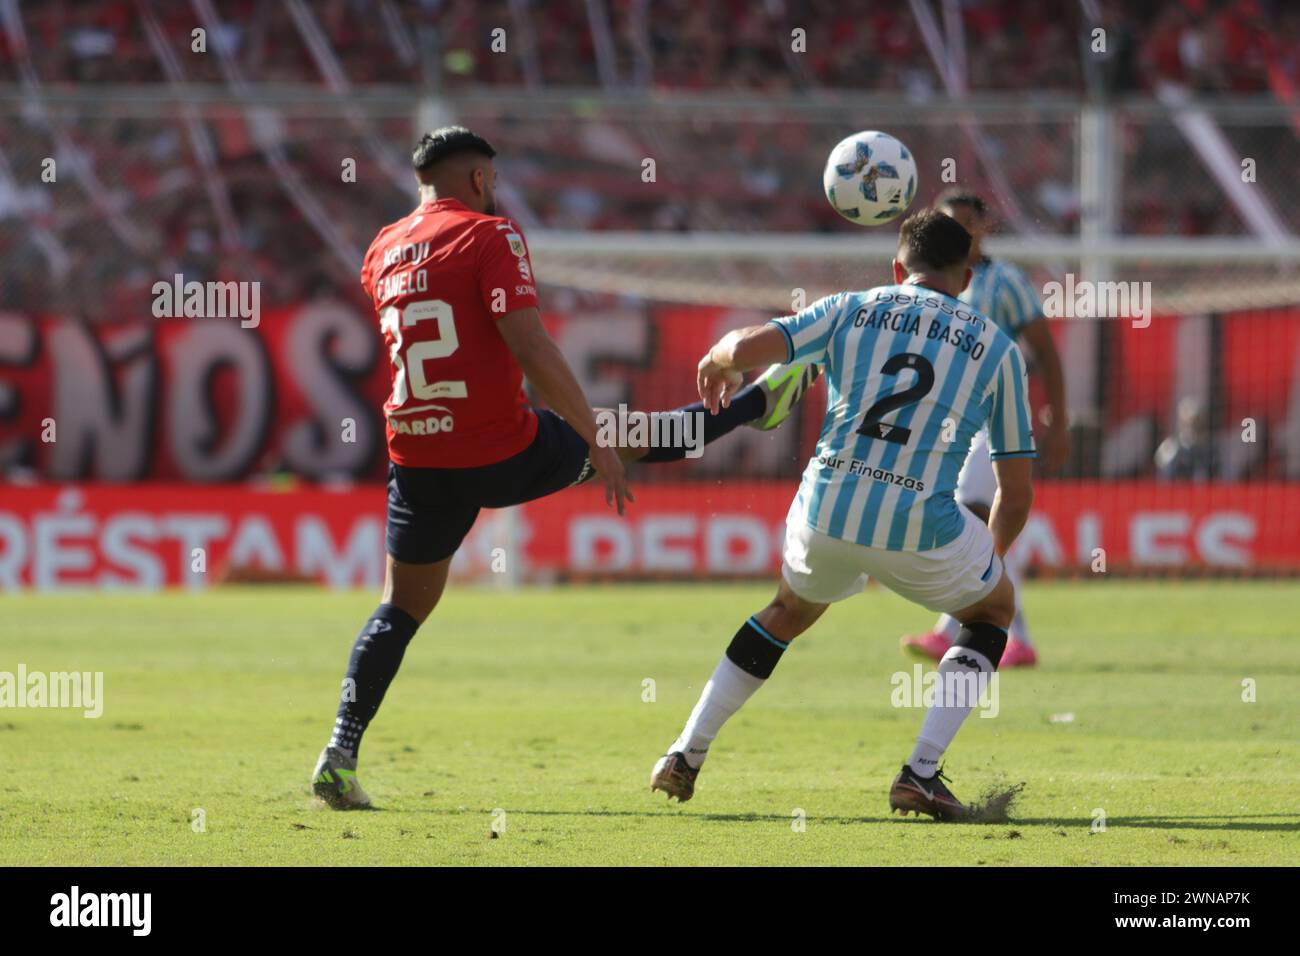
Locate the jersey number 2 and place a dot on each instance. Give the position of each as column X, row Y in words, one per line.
column 872, row 426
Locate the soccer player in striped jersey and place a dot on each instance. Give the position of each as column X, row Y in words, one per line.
column 913, row 375
column 1000, row 291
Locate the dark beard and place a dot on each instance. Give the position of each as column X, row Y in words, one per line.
column 491, row 207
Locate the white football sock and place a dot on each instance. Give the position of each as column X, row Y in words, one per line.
column 724, row 694
column 948, row 626
column 956, row 698
column 1020, row 628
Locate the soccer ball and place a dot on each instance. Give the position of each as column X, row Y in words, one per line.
column 870, row 178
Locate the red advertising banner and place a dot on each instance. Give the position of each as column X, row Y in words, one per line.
column 170, row 535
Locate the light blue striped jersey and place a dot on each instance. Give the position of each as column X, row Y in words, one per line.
column 912, row 375
column 1002, row 292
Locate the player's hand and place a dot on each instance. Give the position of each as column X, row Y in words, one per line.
column 717, row 385
column 610, row 469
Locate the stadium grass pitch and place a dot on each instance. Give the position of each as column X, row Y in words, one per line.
column 529, row 712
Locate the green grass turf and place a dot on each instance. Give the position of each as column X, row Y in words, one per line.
column 531, row 702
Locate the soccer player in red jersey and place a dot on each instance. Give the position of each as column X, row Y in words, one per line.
column 453, row 288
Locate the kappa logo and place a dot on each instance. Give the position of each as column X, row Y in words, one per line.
column 379, row 627
column 966, row 661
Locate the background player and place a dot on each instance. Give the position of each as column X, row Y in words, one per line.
column 453, row 287
column 1000, row 291
column 877, row 497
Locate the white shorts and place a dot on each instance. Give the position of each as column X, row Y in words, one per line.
column 822, row 569
column 976, row 483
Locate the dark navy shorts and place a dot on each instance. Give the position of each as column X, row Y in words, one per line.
column 430, row 510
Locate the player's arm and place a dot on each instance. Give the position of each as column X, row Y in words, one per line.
column 548, row 372
column 721, row 372
column 505, row 277
column 1011, row 446
column 1011, row 502
column 1047, row 362
column 801, row 337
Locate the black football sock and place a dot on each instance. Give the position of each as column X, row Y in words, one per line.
column 748, row 404
column 754, row 650
column 376, row 656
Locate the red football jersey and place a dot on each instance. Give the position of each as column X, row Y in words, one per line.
column 440, row 279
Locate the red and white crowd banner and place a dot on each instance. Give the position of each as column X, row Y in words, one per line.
column 206, row 400
column 150, row 536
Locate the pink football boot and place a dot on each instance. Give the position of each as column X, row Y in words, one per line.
column 1018, row 654
column 932, row 645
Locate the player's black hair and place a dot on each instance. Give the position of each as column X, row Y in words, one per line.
column 954, row 196
column 932, row 240
column 448, row 141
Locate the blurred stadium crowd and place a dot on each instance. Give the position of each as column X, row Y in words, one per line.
column 1223, row 45
column 144, row 204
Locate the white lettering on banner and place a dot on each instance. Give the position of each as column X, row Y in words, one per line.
column 586, row 537
column 13, row 551
column 119, row 540
column 1156, row 539
column 673, row 543
column 80, row 538
column 131, row 550
column 1146, row 534
column 254, row 545
column 1213, row 539
column 721, row 536
column 740, row 544
column 361, row 558
column 659, row 553
column 55, row 552
column 1037, row 543
column 194, row 531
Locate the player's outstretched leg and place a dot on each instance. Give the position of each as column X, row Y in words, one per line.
column 965, row 669
column 411, row 591
column 763, row 404
column 747, row 664
column 782, row 387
